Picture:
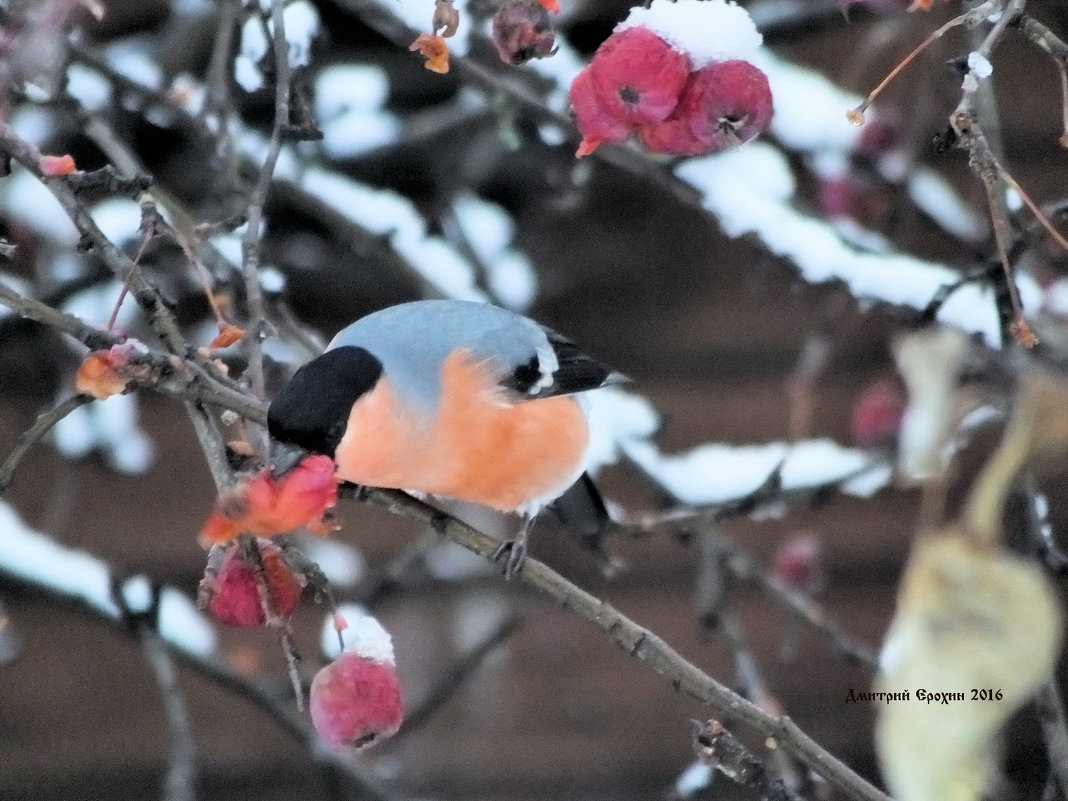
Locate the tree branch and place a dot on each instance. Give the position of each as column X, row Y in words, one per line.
column 640, row 643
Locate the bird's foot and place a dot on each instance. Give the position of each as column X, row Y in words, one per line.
column 514, row 554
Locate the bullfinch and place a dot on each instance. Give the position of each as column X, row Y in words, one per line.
column 451, row 398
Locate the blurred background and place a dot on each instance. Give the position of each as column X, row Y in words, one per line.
column 714, row 332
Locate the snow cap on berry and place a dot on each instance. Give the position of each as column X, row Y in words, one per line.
column 361, row 633
column 705, row 30
column 356, row 700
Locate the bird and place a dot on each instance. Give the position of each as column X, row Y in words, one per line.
column 455, row 399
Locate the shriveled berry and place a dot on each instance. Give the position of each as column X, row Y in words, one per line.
column 522, row 30
column 229, row 591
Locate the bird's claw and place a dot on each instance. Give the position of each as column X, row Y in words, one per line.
column 514, row 554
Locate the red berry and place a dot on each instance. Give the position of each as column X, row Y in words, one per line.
column 798, row 563
column 671, row 137
column 228, row 589
column 594, row 121
column 637, row 76
column 267, row 505
column 522, row 30
column 355, row 702
column 877, row 414
column 724, row 104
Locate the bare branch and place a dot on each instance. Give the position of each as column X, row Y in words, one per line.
column 726, row 753
column 41, row 426
column 452, row 678
column 640, row 643
column 250, row 250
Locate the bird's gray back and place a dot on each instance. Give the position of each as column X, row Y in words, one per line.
column 412, row 340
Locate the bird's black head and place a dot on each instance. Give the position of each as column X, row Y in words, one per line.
column 312, row 410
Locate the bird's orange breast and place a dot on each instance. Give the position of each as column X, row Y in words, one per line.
column 478, row 446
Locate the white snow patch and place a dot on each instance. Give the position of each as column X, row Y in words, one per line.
column 1013, row 200
column 342, row 564
column 301, row 22
column 706, row 30
column 870, row 481
column 937, row 198
column 183, row 625
column 272, row 280
column 29, row 202
column 357, row 131
column 809, row 110
column 229, row 246
column 364, row 635
column 748, row 190
column 37, row 558
column 110, row 425
column 980, row 65
column 698, row 776
column 95, row 304
column 1056, row 298
column 247, row 74
column 616, row 418
column 130, row 58
column 253, row 48
column 119, row 219
column 343, row 87
column 388, row 214
column 33, row 123
column 513, row 281
column 254, row 41
column 88, row 87
column 16, row 284
column 715, row 473
column 137, row 593
column 552, row 134
column 489, row 230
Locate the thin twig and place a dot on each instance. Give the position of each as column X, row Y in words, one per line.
column 212, row 444
column 716, row 746
column 181, row 231
column 180, row 781
column 1057, row 49
column 744, row 567
column 451, row 679
column 250, row 247
column 41, row 426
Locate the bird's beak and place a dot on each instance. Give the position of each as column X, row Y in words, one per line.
column 284, row 457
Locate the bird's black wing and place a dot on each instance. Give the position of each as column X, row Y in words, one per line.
column 577, row 371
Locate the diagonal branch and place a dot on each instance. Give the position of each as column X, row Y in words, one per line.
column 640, row 643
